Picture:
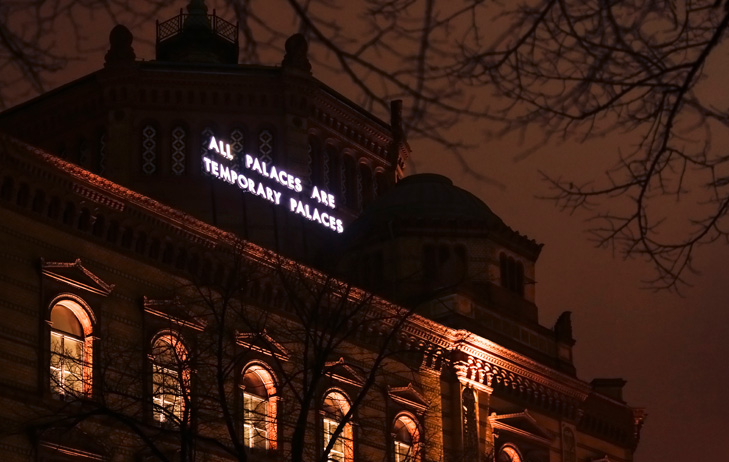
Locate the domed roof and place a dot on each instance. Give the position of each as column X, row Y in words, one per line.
column 426, row 198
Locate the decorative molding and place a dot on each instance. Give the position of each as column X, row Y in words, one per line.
column 486, row 351
column 162, row 308
column 542, row 435
column 269, row 348
column 343, row 372
column 99, row 198
column 58, row 448
column 64, row 272
column 408, row 396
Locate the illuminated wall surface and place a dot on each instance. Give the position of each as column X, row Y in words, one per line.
column 200, row 256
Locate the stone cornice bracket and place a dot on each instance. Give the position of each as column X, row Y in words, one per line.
column 471, row 373
column 75, row 275
column 97, row 197
column 432, row 359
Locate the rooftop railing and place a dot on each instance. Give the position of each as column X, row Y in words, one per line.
column 175, row 26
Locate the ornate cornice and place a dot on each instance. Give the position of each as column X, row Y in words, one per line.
column 373, row 139
column 493, row 353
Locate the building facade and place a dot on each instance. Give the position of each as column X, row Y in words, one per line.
column 212, row 261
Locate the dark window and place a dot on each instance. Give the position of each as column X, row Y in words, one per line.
column 512, row 274
column 365, row 175
column 23, row 195
column 470, row 425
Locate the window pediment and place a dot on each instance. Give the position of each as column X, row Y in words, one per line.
column 343, row 372
column 72, row 443
column 261, row 342
column 173, row 311
column 523, row 424
column 76, row 275
column 408, row 396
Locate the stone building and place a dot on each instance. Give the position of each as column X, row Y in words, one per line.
column 212, row 261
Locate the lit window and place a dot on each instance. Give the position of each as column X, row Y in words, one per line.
column 509, row 454
column 406, row 439
column 170, row 379
column 70, row 360
column 259, row 408
column 336, row 406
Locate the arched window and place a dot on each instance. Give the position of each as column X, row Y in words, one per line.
column 333, row 171
column 406, row 437
column 569, row 452
column 71, row 348
column 470, row 423
column 316, row 162
column 508, row 453
column 259, row 408
column 170, row 379
column 334, row 408
column 367, row 182
column 512, row 274
column 350, row 183
column 380, row 183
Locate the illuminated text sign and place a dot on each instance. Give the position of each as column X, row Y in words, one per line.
column 288, row 194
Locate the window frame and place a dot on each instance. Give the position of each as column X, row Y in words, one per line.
column 165, row 376
column 86, row 319
column 328, row 419
column 266, row 376
column 410, row 424
column 511, row 451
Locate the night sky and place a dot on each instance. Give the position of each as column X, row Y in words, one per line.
column 672, row 349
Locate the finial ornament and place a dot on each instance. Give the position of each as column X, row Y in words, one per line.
column 197, row 15
column 120, row 47
column 296, row 54
column 197, row 7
